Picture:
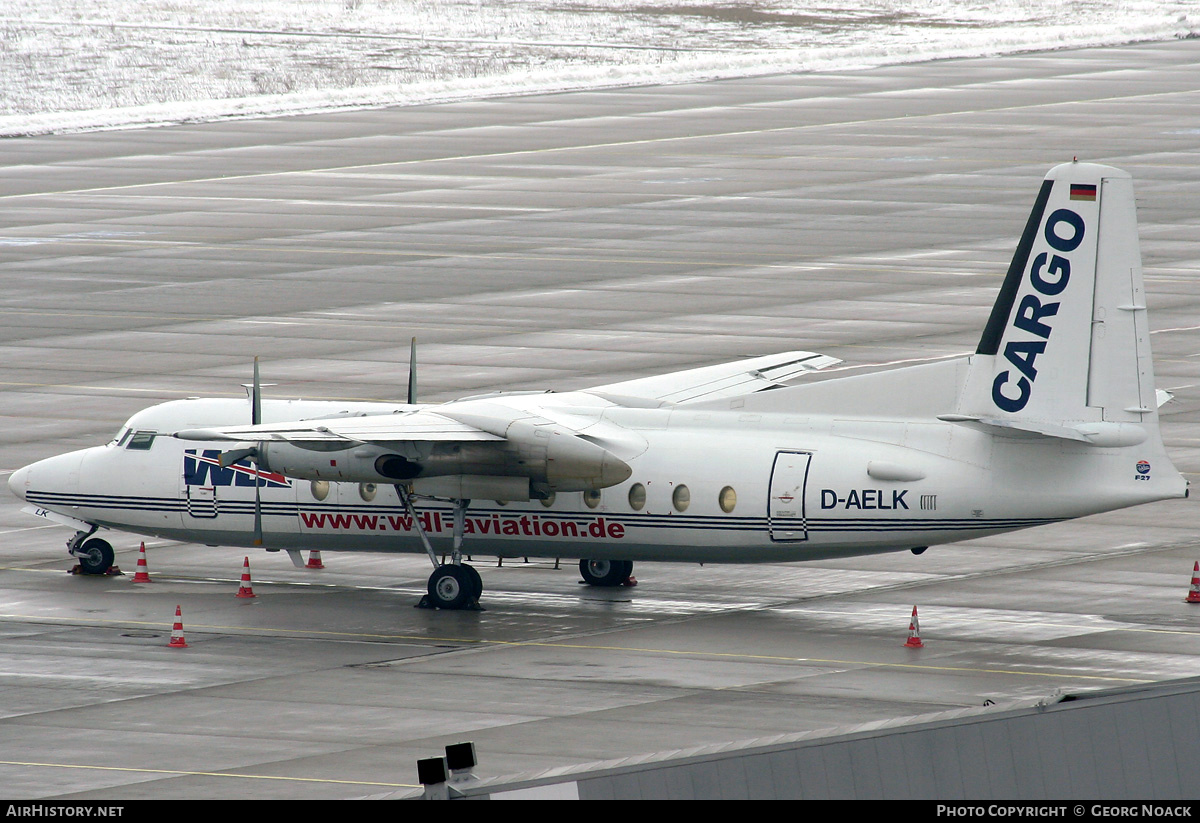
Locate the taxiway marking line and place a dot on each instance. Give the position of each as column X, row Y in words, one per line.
column 833, row 662
column 190, row 773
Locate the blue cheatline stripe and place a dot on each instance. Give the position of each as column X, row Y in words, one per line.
column 635, row 521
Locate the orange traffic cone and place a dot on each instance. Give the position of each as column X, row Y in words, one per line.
column 246, row 590
column 143, row 573
column 177, row 641
column 1194, row 593
column 314, row 561
column 914, row 632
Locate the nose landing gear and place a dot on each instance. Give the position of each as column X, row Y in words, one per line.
column 95, row 556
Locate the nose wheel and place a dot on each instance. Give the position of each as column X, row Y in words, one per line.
column 95, row 556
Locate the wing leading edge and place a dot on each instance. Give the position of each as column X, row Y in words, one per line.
column 412, row 426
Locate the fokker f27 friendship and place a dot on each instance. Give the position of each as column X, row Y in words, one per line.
column 1053, row 417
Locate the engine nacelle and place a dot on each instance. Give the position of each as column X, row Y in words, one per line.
column 545, row 455
column 363, row 463
column 553, row 459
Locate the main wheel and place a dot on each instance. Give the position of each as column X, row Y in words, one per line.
column 451, row 587
column 476, row 581
column 605, row 572
column 95, row 556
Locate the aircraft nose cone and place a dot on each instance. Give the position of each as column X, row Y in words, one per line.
column 18, row 481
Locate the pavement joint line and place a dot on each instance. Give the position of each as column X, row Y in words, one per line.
column 476, row 644
column 445, row 252
column 618, row 143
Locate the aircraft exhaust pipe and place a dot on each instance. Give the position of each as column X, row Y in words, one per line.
column 395, row 467
column 359, row 464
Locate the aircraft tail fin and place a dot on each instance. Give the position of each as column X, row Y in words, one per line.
column 1066, row 350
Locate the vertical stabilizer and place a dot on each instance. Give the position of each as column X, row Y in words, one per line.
column 1068, row 342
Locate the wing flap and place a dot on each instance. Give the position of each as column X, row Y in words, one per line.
column 723, row 380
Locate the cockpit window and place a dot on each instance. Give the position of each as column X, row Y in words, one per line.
column 141, row 441
column 122, row 436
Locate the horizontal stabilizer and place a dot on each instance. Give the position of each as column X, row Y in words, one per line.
column 1100, row 434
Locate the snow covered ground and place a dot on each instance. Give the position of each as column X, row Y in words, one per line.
column 69, row 65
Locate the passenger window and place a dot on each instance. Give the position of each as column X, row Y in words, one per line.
column 637, row 497
column 141, row 441
column 591, row 498
column 728, row 499
column 681, row 498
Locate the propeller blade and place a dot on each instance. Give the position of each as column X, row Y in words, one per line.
column 256, row 398
column 258, row 530
column 412, row 373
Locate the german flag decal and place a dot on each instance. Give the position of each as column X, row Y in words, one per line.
column 1083, row 191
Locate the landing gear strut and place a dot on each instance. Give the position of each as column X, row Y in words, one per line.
column 606, row 572
column 453, row 585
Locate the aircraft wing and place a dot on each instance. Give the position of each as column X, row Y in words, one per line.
column 520, row 448
column 411, row 426
column 723, row 380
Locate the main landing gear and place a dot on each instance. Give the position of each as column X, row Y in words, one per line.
column 453, row 585
column 456, row 585
column 607, row 572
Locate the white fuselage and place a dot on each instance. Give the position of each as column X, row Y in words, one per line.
column 718, row 486
column 1054, row 416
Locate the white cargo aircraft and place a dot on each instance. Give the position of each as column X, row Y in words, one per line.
column 1053, row 417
